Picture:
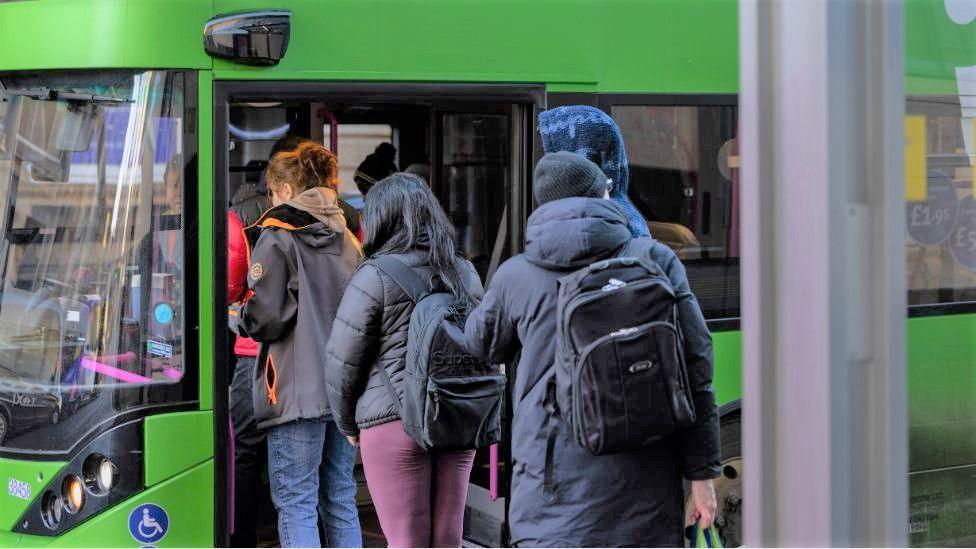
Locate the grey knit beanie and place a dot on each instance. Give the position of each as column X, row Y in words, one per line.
column 564, row 174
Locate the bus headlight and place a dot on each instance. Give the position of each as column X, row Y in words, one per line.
column 73, row 494
column 100, row 474
column 51, row 508
column 105, row 472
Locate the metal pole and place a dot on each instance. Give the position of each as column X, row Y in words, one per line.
column 823, row 273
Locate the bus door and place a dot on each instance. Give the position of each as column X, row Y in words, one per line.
column 473, row 144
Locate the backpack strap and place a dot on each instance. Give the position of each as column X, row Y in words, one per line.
column 627, row 249
column 638, row 247
column 548, row 473
column 390, row 388
column 409, row 281
column 415, row 288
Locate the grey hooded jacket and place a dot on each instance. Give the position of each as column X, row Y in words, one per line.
column 631, row 498
column 301, row 258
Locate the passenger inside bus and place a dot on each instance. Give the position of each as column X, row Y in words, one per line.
column 377, row 165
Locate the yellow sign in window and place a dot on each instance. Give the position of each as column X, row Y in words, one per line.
column 915, row 168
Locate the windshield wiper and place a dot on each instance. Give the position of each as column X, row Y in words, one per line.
column 49, row 94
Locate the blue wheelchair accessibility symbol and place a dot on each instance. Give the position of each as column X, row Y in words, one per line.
column 148, row 523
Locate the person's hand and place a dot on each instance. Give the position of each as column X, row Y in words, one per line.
column 354, row 441
column 703, row 504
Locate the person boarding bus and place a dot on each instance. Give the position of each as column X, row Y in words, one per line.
column 302, row 256
column 599, row 459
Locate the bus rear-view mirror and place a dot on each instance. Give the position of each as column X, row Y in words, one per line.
column 74, row 126
column 54, row 170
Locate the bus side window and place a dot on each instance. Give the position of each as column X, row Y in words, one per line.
column 940, row 211
column 683, row 179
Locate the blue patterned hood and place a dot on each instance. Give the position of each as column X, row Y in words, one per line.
column 590, row 132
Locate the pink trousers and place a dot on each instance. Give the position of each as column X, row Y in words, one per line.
column 419, row 496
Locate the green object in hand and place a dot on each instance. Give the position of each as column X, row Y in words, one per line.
column 708, row 538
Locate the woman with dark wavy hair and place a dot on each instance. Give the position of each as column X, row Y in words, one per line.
column 419, row 496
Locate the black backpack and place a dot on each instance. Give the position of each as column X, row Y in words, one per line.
column 451, row 399
column 620, row 381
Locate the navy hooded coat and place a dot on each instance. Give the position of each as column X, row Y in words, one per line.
column 632, row 498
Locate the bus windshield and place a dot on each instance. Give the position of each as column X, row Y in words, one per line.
column 91, row 250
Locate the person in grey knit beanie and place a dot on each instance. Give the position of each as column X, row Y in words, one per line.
column 564, row 175
column 590, row 132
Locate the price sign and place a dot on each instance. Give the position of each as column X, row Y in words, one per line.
column 930, row 221
column 962, row 243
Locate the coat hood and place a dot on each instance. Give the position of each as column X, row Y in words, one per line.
column 573, row 232
column 590, row 132
column 315, row 217
column 323, row 204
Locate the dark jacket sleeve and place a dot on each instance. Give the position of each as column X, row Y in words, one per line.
column 352, row 347
column 699, row 445
column 489, row 331
column 270, row 313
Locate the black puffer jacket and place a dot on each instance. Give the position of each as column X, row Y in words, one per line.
column 626, row 499
column 370, row 330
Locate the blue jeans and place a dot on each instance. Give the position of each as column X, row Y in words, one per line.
column 311, row 465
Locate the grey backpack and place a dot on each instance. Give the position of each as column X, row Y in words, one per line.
column 451, row 399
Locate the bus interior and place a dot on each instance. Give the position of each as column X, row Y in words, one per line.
column 465, row 153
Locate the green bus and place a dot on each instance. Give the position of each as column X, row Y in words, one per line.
column 127, row 129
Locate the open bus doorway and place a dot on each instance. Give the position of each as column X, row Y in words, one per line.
column 464, row 153
column 475, row 150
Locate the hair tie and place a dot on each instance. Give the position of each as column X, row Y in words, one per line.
column 311, row 165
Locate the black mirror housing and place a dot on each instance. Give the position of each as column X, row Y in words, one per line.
column 250, row 38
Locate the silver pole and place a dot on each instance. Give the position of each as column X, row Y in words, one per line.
column 823, row 272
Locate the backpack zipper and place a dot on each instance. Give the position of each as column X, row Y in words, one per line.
column 624, row 332
column 613, row 284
